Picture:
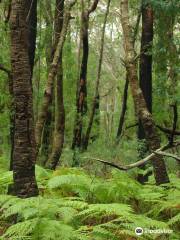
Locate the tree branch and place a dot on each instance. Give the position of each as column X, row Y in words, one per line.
column 93, row 6
column 167, row 130
column 163, row 129
column 168, row 155
column 143, row 161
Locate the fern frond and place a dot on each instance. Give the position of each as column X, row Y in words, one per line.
column 21, row 231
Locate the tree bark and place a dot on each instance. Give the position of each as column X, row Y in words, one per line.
column 31, row 19
column 142, row 112
column 24, row 154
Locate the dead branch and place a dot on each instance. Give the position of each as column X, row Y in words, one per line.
column 159, row 151
column 168, row 155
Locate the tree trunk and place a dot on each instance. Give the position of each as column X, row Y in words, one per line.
column 126, row 86
column 31, row 18
column 81, row 101
column 145, row 73
column 144, row 115
column 51, row 77
column 96, row 96
column 58, row 135
column 123, row 111
column 46, row 145
column 24, row 154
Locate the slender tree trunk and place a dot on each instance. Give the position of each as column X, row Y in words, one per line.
column 51, row 77
column 46, row 145
column 174, row 77
column 145, row 73
column 96, row 95
column 81, row 101
column 31, row 19
column 123, row 110
column 24, row 154
column 58, row 135
column 144, row 115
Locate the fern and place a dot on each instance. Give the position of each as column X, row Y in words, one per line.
column 174, row 220
column 76, row 206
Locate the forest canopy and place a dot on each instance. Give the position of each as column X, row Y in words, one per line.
column 89, row 119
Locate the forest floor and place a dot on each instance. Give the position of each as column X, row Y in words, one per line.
column 76, row 205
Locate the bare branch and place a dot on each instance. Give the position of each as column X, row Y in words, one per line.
column 143, row 161
column 167, row 130
column 163, row 129
column 168, row 155
column 93, row 6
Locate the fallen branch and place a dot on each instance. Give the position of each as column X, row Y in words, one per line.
column 143, row 161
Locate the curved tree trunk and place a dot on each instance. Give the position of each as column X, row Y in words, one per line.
column 24, row 154
column 144, row 115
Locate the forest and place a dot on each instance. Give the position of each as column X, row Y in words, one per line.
column 89, row 120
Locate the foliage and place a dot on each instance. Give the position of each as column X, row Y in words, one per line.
column 74, row 205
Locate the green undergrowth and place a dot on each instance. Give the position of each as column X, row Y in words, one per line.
column 75, row 205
